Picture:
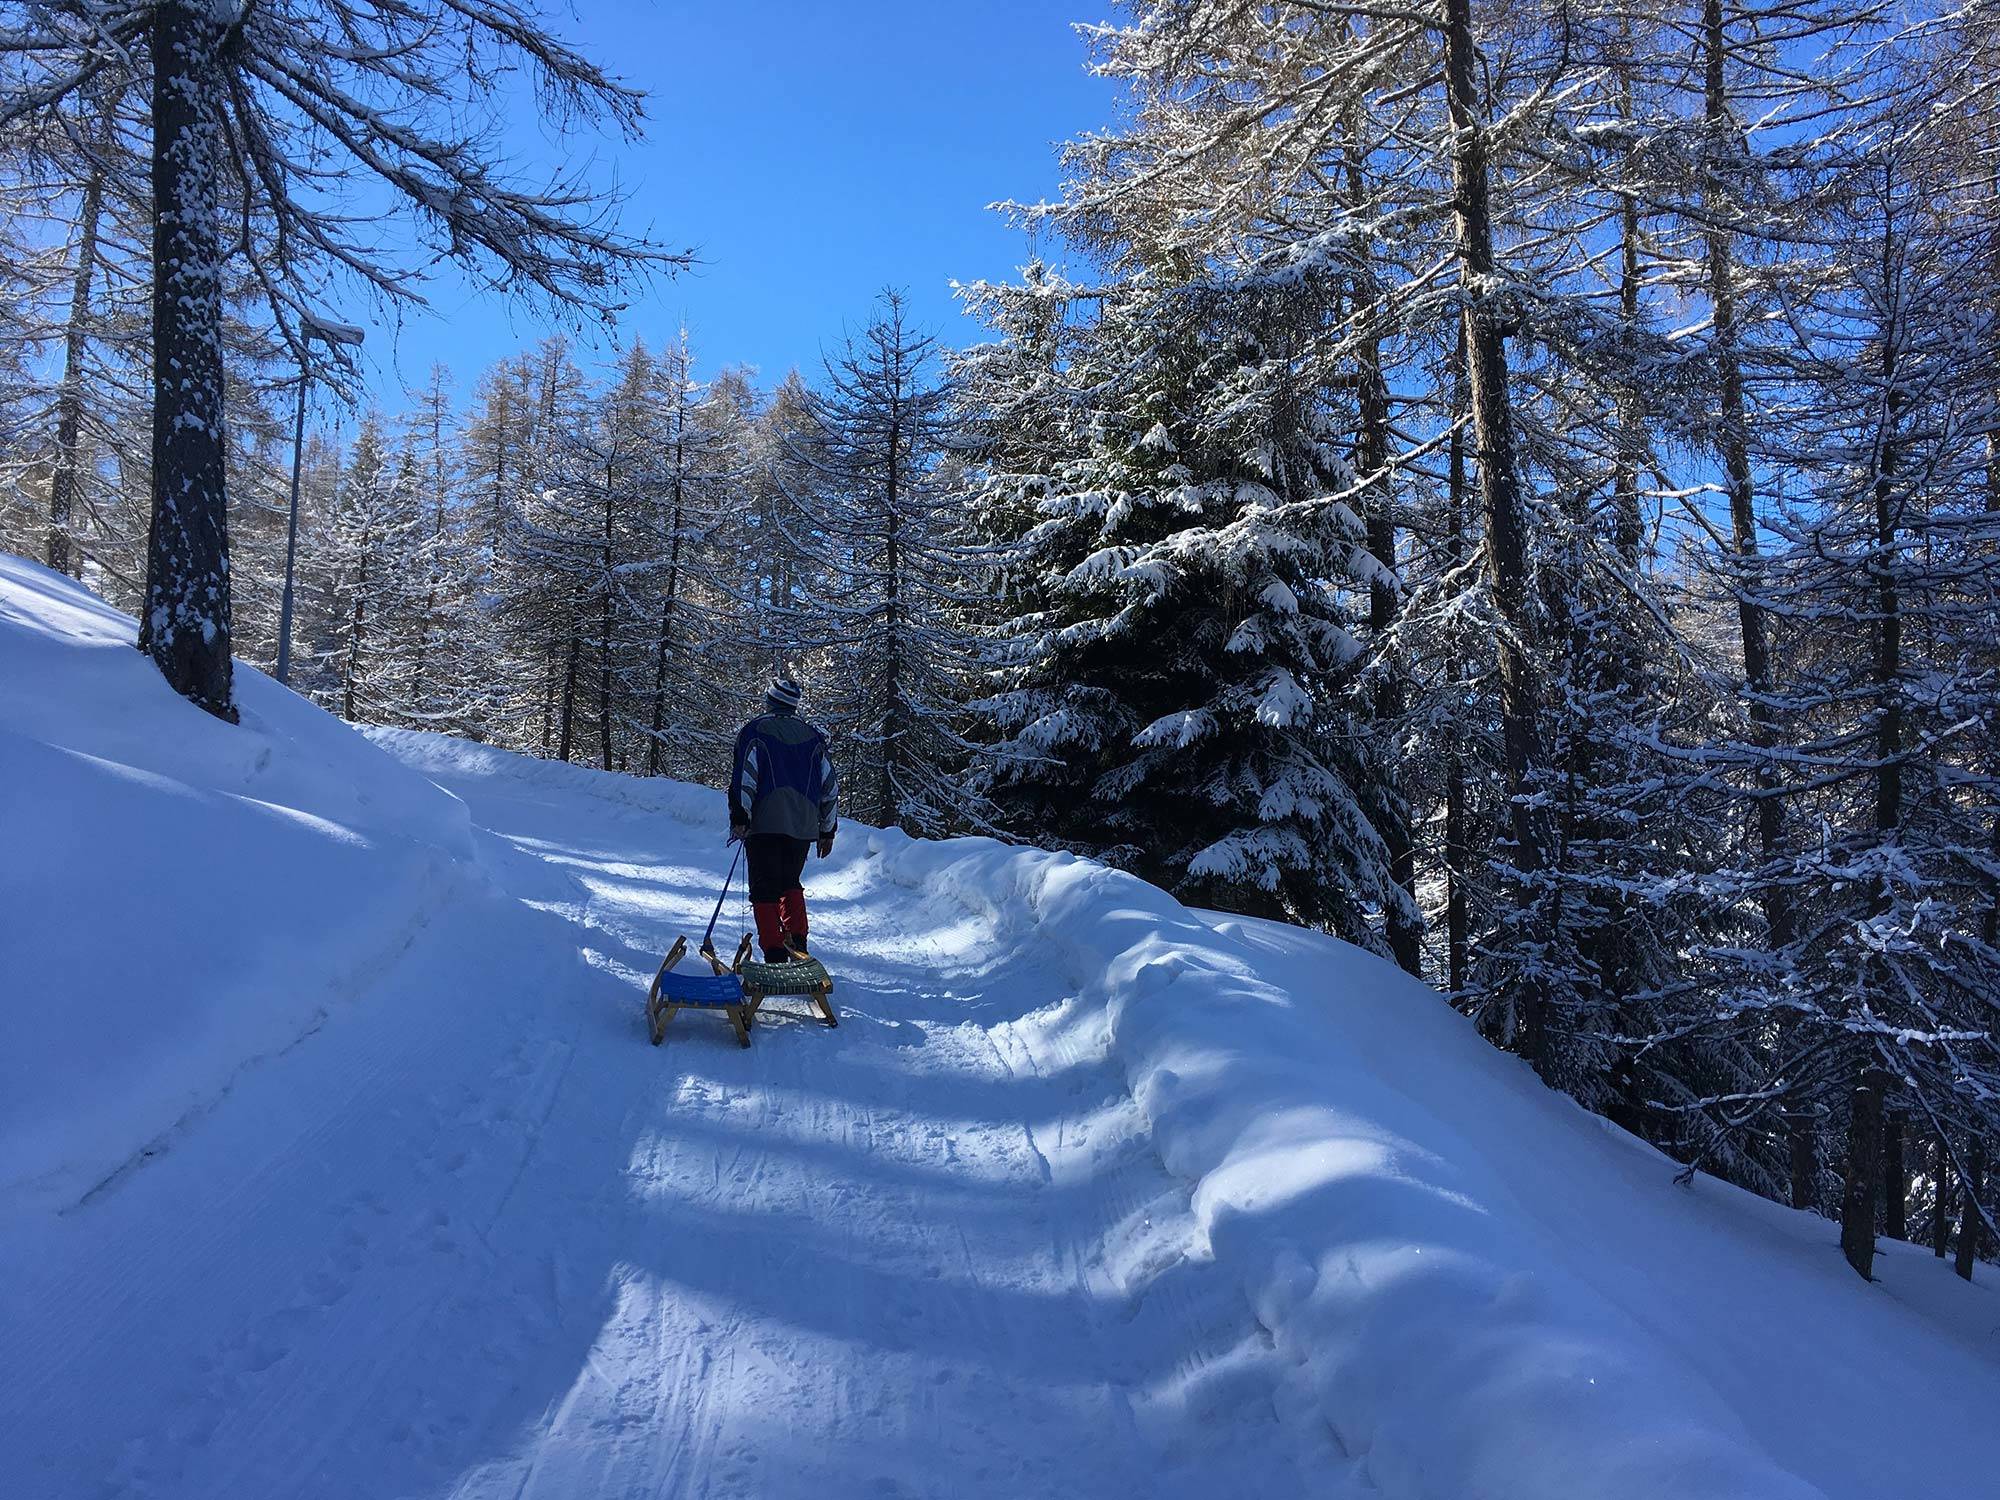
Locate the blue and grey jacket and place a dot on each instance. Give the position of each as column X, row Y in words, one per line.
column 783, row 780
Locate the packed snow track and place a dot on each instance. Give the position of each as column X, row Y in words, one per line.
column 475, row 1238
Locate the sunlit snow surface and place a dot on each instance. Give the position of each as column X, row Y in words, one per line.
column 334, row 1162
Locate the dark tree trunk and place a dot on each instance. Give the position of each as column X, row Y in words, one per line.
column 1457, row 833
column 659, row 723
column 1740, row 484
column 1864, row 1150
column 1628, row 530
column 892, row 621
column 1619, row 667
column 1804, row 1159
column 604, row 632
column 1506, row 522
column 1895, row 1179
column 1865, row 1167
column 1989, row 930
column 66, row 482
column 1738, row 479
column 430, row 619
column 357, row 627
column 1969, row 1224
column 1372, row 458
column 1941, row 1180
column 185, row 625
column 1990, row 926
column 571, row 666
column 1371, row 462
column 548, row 702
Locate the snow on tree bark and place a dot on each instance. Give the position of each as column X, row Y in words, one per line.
column 185, row 624
column 65, row 483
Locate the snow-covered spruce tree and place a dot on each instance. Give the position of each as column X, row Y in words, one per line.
column 1174, row 696
column 887, row 605
column 1370, row 142
column 268, row 107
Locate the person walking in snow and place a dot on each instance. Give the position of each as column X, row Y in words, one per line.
column 784, row 794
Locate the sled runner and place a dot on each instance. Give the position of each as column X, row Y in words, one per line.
column 737, row 989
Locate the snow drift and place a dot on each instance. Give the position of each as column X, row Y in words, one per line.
column 1487, row 1291
column 180, row 895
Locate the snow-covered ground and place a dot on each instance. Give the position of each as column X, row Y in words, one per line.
column 334, row 1162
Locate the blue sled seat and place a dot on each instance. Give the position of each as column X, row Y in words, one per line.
column 700, row 989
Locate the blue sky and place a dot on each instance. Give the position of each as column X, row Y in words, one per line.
column 811, row 154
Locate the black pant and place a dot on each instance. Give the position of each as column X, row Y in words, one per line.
column 776, row 864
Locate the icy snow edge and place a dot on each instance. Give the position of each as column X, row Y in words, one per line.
column 1440, row 1339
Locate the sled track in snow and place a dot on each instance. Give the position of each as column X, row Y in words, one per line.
column 476, row 1238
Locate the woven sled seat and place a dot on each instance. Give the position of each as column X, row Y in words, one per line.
column 805, row 977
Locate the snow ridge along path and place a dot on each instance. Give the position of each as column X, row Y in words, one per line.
column 1087, row 1192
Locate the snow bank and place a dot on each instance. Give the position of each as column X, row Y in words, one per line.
column 461, row 760
column 1485, row 1291
column 178, row 896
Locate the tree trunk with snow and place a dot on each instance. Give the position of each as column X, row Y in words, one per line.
column 1867, row 1143
column 571, row 666
column 1864, row 1154
column 185, row 626
column 66, row 482
column 1372, row 458
column 1499, row 475
column 1737, row 477
column 604, row 613
column 1941, row 1180
column 1895, row 1179
column 1969, row 1222
column 668, row 596
column 1457, row 816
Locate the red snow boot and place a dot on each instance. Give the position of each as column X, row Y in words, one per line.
column 792, row 910
column 770, row 930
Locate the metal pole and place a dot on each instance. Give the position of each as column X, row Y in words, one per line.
column 292, row 539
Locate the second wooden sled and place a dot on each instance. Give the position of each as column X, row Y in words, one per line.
column 736, row 989
column 802, row 976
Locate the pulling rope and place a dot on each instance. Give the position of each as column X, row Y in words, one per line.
column 708, row 937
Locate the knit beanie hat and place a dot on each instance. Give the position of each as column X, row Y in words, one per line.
column 783, row 694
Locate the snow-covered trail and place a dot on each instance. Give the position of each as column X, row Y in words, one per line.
column 473, row 1237
column 333, row 1162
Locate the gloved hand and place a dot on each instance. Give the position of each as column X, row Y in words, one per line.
column 737, row 829
column 825, row 845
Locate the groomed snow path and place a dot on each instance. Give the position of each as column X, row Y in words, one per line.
column 472, row 1236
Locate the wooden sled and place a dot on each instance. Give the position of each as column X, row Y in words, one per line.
column 804, row 976
column 736, row 989
column 672, row 993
